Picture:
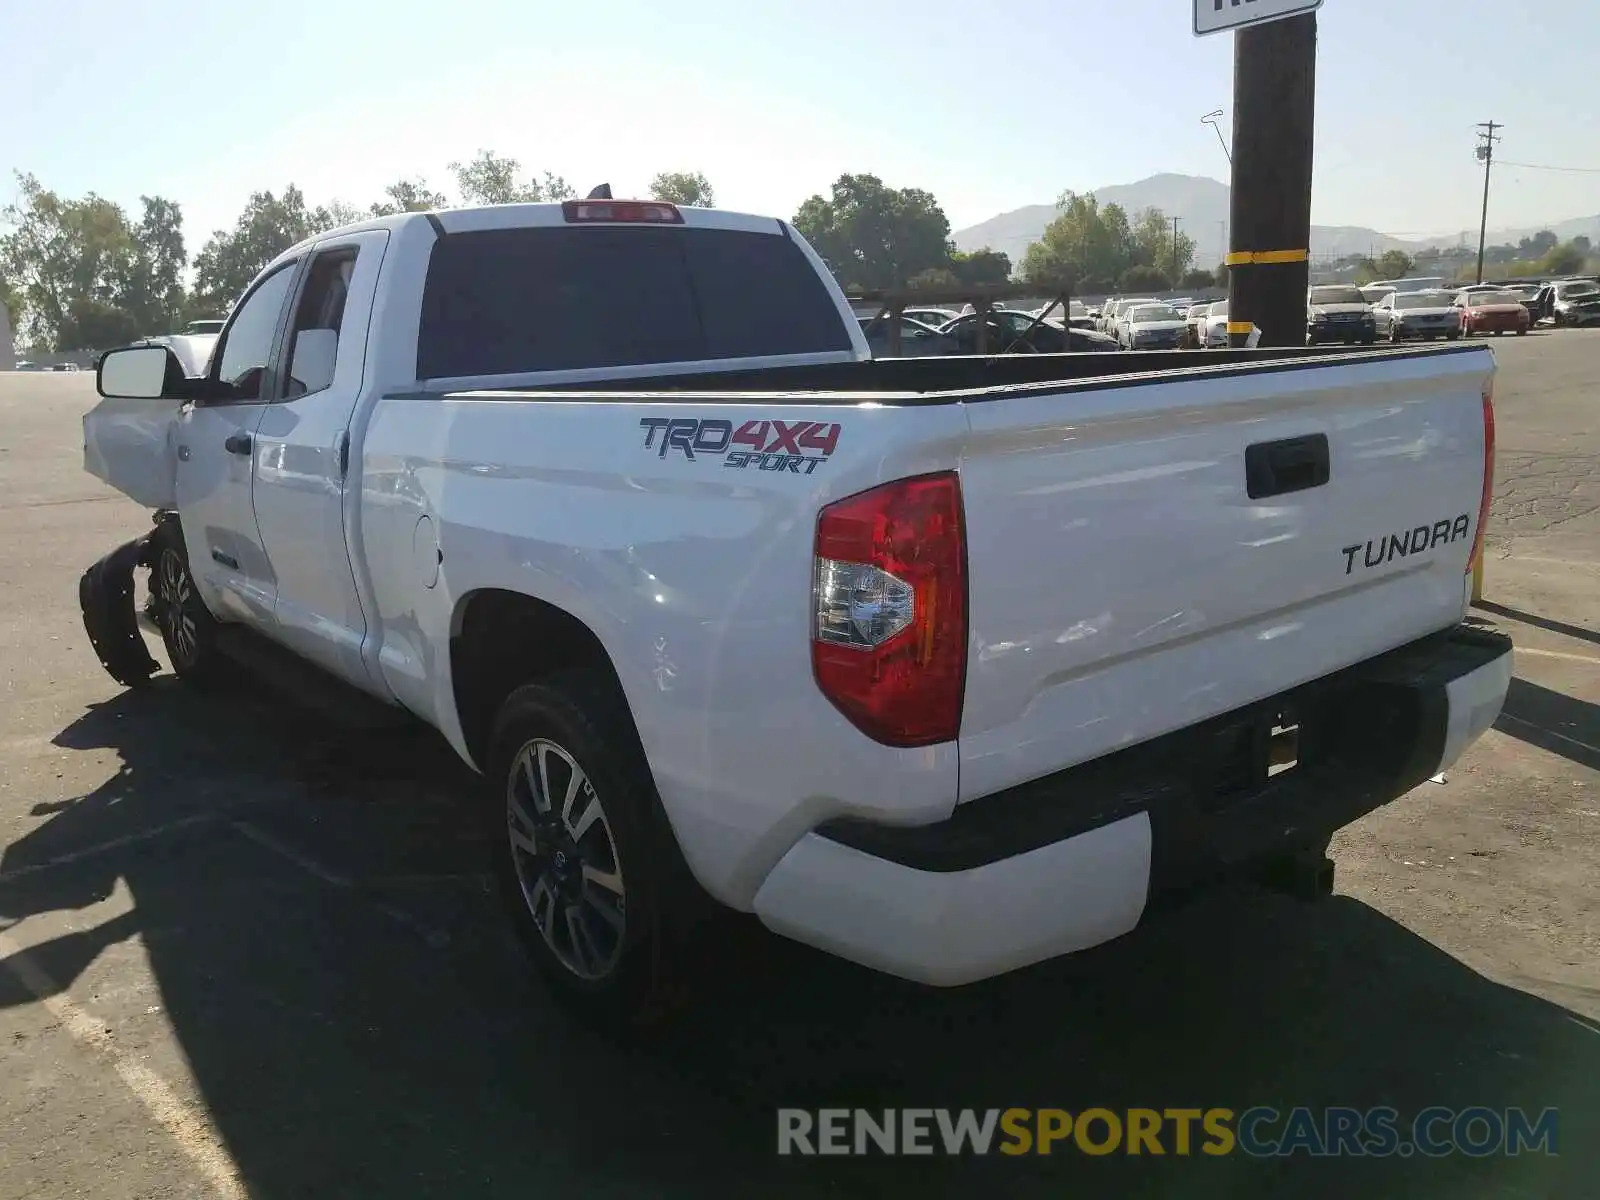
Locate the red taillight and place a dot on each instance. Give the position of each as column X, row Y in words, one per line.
column 1488, row 475
column 647, row 212
column 889, row 603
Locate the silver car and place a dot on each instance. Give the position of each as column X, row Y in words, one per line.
column 1402, row 315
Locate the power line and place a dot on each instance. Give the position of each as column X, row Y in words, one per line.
column 1543, row 167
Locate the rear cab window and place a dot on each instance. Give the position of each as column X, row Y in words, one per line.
column 565, row 298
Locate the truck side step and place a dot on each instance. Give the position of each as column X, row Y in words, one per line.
column 309, row 686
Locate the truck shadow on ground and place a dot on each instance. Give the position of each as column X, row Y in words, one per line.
column 1552, row 721
column 358, row 1023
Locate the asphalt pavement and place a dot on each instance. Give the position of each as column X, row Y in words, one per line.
column 243, row 953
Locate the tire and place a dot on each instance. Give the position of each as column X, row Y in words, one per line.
column 608, row 916
column 188, row 630
column 1394, row 334
column 1453, row 335
column 1522, row 330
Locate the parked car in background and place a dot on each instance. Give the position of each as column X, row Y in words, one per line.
column 1215, row 329
column 1017, row 332
column 1150, row 327
column 1402, row 315
column 1111, row 319
column 916, row 339
column 932, row 317
column 205, row 326
column 1194, row 321
column 1528, row 295
column 1572, row 302
column 1375, row 293
column 1338, row 313
column 1491, row 312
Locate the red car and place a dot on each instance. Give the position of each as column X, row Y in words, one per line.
column 1492, row 312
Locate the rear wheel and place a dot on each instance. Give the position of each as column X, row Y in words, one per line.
column 1394, row 333
column 589, row 870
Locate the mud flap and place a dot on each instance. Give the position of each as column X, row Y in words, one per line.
column 106, row 596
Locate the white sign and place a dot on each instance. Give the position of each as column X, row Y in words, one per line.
column 1214, row 16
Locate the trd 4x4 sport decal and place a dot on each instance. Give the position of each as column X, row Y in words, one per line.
column 797, row 446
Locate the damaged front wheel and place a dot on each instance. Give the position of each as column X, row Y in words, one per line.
column 188, row 630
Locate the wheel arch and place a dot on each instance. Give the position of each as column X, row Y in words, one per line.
column 501, row 639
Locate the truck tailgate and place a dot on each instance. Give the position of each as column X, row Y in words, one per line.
column 1148, row 552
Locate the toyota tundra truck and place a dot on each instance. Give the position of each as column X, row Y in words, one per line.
column 945, row 665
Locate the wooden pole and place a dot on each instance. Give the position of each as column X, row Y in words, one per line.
column 1274, row 109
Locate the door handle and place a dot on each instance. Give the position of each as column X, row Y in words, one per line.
column 237, row 443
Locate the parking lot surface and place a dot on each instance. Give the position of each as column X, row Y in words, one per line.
column 246, row 953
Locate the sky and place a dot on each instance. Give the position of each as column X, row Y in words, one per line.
column 989, row 106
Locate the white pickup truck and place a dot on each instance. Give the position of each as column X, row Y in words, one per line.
column 946, row 665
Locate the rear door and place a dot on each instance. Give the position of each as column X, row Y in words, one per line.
column 302, row 448
column 1149, row 553
column 216, row 455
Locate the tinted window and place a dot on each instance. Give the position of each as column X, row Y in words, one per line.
column 248, row 342
column 505, row 301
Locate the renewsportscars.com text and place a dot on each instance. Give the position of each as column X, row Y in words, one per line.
column 1256, row 1132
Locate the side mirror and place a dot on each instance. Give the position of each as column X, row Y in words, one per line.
column 136, row 372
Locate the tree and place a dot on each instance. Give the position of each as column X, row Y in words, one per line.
column 1142, row 278
column 94, row 324
column 1581, row 244
column 11, row 299
column 1155, row 244
column 153, row 294
column 875, row 236
column 491, row 178
column 689, row 189
column 60, row 252
column 1394, row 264
column 268, row 226
column 1538, row 245
column 934, row 279
column 1085, row 245
column 1561, row 260
column 409, row 196
column 1199, row 277
column 336, row 213
column 980, row 267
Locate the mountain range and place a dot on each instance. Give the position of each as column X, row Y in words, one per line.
column 1201, row 206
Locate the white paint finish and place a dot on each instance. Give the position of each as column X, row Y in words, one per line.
column 300, row 494
column 696, row 578
column 213, row 498
column 1474, row 701
column 128, row 445
column 957, row 927
column 1122, row 584
column 1217, row 16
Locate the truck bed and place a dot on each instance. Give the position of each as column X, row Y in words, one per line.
column 956, row 378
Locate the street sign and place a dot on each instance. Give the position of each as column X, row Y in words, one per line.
column 1215, row 16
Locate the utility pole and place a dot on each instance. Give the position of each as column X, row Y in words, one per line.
column 1486, row 141
column 1274, row 108
column 1174, row 251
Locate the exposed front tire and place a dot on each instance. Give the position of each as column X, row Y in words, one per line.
column 188, row 630
column 588, row 867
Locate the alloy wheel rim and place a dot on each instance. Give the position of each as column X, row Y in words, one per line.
column 177, row 606
column 566, row 859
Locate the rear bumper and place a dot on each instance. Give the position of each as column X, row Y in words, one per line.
column 1066, row 862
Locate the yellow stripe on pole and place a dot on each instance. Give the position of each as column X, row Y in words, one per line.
column 1240, row 326
column 1245, row 258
